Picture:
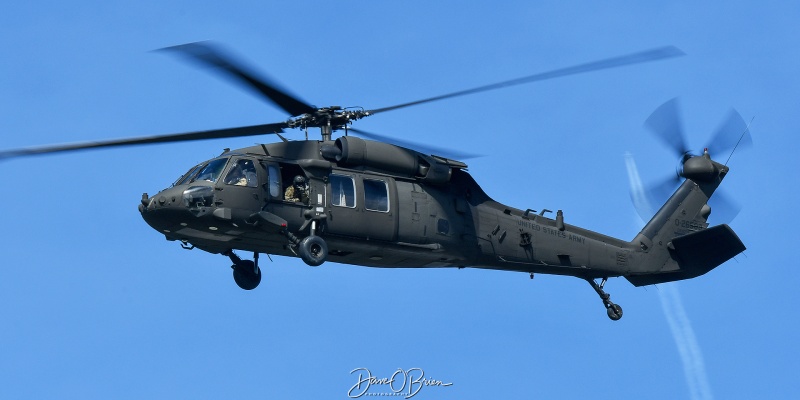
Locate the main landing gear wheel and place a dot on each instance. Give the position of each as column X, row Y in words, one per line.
column 313, row 250
column 246, row 273
column 614, row 310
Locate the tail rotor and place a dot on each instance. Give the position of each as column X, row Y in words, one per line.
column 666, row 124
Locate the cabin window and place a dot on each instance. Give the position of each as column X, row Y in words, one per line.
column 376, row 195
column 242, row 173
column 343, row 191
column 212, row 170
column 274, row 181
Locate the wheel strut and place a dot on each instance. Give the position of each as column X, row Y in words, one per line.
column 294, row 240
column 239, row 262
column 614, row 310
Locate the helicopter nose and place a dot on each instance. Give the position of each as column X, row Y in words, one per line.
column 167, row 199
column 165, row 210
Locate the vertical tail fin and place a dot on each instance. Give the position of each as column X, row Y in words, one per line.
column 677, row 243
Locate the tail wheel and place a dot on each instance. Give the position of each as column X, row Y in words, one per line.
column 313, row 250
column 246, row 275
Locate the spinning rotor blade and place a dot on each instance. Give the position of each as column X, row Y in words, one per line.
column 427, row 149
column 207, row 54
column 212, row 56
column 635, row 58
column 723, row 208
column 658, row 193
column 732, row 132
column 665, row 122
column 178, row 137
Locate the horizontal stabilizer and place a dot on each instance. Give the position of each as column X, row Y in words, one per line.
column 696, row 254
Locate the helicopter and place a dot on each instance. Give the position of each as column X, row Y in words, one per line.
column 381, row 202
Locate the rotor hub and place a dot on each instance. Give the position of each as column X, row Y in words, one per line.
column 333, row 117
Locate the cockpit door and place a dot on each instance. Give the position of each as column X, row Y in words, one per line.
column 241, row 188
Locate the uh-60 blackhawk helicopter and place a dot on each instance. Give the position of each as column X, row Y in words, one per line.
column 372, row 203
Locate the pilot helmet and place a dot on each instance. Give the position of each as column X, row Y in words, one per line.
column 299, row 181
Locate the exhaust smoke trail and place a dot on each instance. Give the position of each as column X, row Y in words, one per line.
column 692, row 358
column 688, row 348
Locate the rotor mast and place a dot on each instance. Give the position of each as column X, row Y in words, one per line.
column 327, row 132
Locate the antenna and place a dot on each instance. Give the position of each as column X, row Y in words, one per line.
column 740, row 140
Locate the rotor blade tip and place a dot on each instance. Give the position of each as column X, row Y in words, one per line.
column 672, row 51
column 196, row 49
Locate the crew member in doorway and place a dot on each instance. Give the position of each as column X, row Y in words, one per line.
column 298, row 191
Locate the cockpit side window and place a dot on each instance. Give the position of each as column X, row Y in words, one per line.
column 212, row 170
column 242, row 173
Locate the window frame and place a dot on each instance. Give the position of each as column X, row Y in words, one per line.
column 333, row 190
column 367, row 202
column 274, row 181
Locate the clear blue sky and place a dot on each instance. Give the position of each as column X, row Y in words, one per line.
column 96, row 304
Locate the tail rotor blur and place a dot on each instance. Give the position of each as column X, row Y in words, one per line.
column 666, row 124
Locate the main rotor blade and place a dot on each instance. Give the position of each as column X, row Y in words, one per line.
column 732, row 132
column 212, row 56
column 427, row 149
column 635, row 58
column 178, row 137
column 665, row 122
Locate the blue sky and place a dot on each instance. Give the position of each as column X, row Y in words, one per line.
column 95, row 304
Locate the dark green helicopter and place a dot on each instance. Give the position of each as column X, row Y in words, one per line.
column 378, row 203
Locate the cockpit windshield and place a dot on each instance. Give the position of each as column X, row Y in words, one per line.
column 211, row 171
column 187, row 176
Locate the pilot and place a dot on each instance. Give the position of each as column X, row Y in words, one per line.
column 249, row 174
column 298, row 191
column 236, row 176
